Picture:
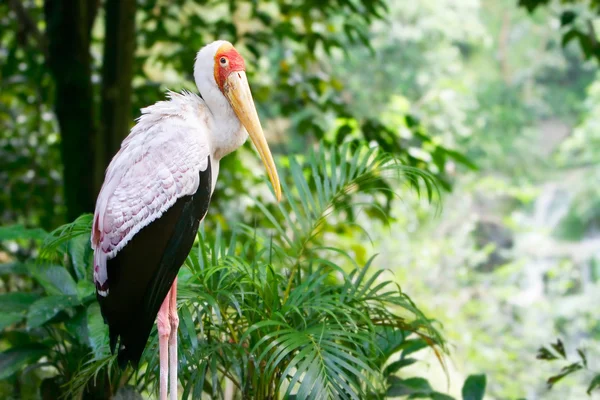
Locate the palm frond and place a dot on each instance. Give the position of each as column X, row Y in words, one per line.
column 279, row 311
column 333, row 181
column 55, row 243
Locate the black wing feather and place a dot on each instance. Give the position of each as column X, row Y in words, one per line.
column 141, row 273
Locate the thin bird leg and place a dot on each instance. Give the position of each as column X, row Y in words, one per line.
column 164, row 331
column 174, row 318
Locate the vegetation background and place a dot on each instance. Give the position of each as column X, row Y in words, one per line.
column 494, row 101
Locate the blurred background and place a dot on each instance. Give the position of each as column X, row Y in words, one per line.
column 498, row 99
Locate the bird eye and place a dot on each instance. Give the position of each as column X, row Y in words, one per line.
column 223, row 61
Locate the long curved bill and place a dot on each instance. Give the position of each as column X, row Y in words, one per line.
column 237, row 91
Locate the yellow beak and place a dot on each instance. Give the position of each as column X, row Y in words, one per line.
column 237, row 91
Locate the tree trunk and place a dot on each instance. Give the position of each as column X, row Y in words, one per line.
column 117, row 74
column 68, row 26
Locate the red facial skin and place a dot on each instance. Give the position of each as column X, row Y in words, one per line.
column 233, row 63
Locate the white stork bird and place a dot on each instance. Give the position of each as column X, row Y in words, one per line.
column 156, row 191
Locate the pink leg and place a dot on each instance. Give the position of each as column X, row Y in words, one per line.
column 164, row 331
column 174, row 318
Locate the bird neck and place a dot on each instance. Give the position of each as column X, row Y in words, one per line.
column 228, row 132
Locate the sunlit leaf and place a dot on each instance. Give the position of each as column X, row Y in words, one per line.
column 565, row 371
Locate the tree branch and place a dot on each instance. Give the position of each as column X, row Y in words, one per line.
column 92, row 11
column 28, row 26
column 592, row 33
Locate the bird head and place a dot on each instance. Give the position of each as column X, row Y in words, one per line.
column 220, row 66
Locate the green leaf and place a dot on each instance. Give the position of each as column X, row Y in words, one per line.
column 85, row 289
column 7, row 319
column 396, row 365
column 559, row 348
column 47, row 308
column 583, row 357
column 12, row 360
column 586, row 43
column 570, row 35
column 567, row 17
column 474, row 387
column 440, row 396
column 56, row 280
column 98, row 332
column 545, row 354
column 56, row 239
column 77, row 326
column 565, row 371
column 405, row 387
column 462, row 159
column 80, row 253
column 14, row 268
column 412, row 346
column 15, row 232
column 531, row 5
column 594, row 384
column 17, row 302
column 188, row 328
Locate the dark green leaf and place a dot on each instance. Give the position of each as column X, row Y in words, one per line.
column 566, row 371
column 80, row 252
column 77, row 326
column 583, row 357
column 404, row 387
column 12, row 360
column 545, row 354
column 15, row 232
column 531, row 5
column 474, row 387
column 7, row 319
column 559, row 348
column 567, row 17
column 587, row 44
column 440, row 396
column 570, row 35
column 396, row 365
column 16, row 268
column 56, row 280
column 47, row 308
column 412, row 346
column 17, row 302
column 594, row 384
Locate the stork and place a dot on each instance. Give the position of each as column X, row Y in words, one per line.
column 156, row 192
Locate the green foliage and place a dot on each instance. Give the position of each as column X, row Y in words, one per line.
column 29, row 158
column 46, row 329
column 292, row 50
column 273, row 308
column 556, row 351
column 474, row 387
column 15, row 232
column 576, row 22
column 439, row 83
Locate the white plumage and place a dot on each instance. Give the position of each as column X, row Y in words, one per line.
column 158, row 163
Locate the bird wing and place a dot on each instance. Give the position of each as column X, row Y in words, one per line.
column 158, row 163
column 156, row 191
